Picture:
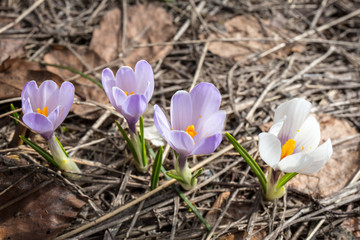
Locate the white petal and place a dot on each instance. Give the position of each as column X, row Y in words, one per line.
column 319, row 157
column 275, row 129
column 307, row 163
column 270, row 149
column 308, row 137
column 295, row 112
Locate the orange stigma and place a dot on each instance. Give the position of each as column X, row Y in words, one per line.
column 128, row 94
column 191, row 130
column 44, row 112
column 288, row 148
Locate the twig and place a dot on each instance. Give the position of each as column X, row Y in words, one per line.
column 198, row 69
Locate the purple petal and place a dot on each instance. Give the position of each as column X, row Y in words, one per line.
column 161, row 122
column 132, row 109
column 119, row 98
column 125, row 80
column 108, row 82
column 31, row 91
column 40, row 124
column 208, row 145
column 295, row 113
column 54, row 117
column 181, row 110
column 213, row 125
column 49, row 95
column 144, row 78
column 26, row 106
column 181, row 142
column 66, row 99
column 206, row 100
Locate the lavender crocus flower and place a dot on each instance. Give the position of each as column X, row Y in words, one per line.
column 196, row 124
column 130, row 91
column 46, row 107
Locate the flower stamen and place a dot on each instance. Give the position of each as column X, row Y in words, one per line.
column 128, row 94
column 191, row 130
column 44, row 112
column 288, row 148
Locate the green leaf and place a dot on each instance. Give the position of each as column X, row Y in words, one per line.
column 156, row 169
column 181, row 194
column 195, row 175
column 74, row 71
column 47, row 156
column 176, row 177
column 15, row 114
column 252, row 163
column 128, row 141
column 142, row 140
column 285, row 179
column 62, row 148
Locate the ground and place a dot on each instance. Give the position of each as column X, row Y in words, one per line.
column 259, row 54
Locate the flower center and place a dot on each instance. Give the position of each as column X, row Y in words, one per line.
column 128, row 94
column 191, row 130
column 288, row 148
column 44, row 112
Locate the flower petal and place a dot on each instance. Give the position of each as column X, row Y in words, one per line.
column 119, row 98
column 270, row 149
column 31, row 91
column 294, row 163
column 307, row 163
column 54, row 116
column 206, row 100
column 66, row 99
column 108, row 82
column 181, row 110
column 213, row 125
column 144, row 78
column 181, row 142
column 319, row 157
column 125, row 80
column 162, row 123
column 276, row 127
column 26, row 106
column 40, row 124
column 208, row 145
column 132, row 109
column 49, row 95
column 295, row 113
column 308, row 137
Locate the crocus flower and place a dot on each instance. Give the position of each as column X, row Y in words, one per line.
column 292, row 142
column 291, row 145
column 46, row 107
column 130, row 91
column 196, row 123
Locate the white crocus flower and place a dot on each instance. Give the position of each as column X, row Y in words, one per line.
column 292, row 143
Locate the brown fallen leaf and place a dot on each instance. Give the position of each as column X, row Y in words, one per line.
column 147, row 23
column 83, row 87
column 14, row 73
column 247, row 26
column 10, row 47
column 42, row 214
column 342, row 166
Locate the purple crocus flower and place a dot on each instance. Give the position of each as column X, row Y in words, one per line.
column 130, row 91
column 46, row 107
column 196, row 122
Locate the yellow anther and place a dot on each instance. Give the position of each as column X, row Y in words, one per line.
column 302, row 148
column 44, row 112
column 288, row 148
column 128, row 94
column 200, row 116
column 191, row 130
